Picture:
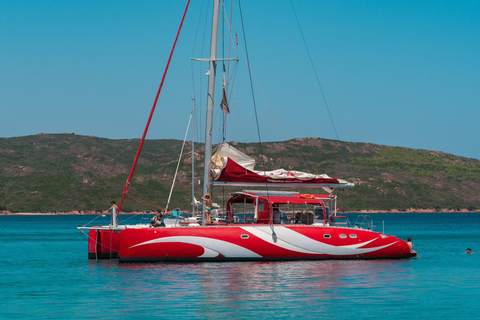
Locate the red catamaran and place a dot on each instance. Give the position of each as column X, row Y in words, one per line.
column 256, row 224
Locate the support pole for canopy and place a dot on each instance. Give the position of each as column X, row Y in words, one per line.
column 210, row 102
column 193, row 158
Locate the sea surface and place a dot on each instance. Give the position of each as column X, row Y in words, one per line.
column 45, row 274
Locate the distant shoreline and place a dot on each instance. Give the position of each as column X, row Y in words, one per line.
column 66, row 213
column 74, row 213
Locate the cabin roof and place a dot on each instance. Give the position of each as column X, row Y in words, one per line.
column 280, row 197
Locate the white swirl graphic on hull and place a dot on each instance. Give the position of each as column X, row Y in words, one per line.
column 286, row 237
column 212, row 247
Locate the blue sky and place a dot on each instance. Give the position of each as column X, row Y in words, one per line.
column 399, row 73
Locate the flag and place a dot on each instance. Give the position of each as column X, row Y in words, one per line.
column 224, row 104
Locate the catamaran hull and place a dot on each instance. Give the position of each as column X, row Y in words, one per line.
column 103, row 244
column 255, row 243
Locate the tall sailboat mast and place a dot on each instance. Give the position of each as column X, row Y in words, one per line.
column 210, row 102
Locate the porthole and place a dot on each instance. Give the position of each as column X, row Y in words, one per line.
column 353, row 236
column 327, row 236
column 244, row 236
column 343, row 236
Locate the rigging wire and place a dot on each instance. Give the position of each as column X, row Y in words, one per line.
column 229, row 80
column 144, row 202
column 224, row 122
column 194, row 126
column 226, row 22
column 178, row 163
column 302, row 156
column 320, row 86
column 251, row 81
column 198, row 125
column 255, row 109
column 152, row 111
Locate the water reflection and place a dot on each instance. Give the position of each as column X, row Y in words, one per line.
column 203, row 286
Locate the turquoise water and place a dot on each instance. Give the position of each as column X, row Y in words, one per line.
column 45, row 273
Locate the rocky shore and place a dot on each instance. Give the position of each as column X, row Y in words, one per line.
column 411, row 210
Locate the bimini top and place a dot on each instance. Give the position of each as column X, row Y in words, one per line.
column 279, row 197
column 233, row 167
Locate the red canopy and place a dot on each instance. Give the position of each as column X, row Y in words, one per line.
column 235, row 174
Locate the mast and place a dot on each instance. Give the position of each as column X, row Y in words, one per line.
column 210, row 102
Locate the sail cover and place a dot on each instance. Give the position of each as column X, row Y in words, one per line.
column 233, row 167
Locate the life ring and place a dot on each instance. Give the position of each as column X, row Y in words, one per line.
column 307, row 196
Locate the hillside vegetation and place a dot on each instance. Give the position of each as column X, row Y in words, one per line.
column 67, row 172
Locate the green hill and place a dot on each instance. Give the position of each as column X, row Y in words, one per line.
column 66, row 172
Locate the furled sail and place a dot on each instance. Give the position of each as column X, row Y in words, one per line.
column 233, row 167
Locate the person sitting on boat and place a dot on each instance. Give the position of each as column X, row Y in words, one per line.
column 208, row 207
column 157, row 219
column 410, row 244
column 177, row 212
column 298, row 217
column 308, row 216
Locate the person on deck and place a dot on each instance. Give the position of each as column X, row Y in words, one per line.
column 277, row 214
column 157, row 219
column 208, row 208
column 113, row 209
column 177, row 212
